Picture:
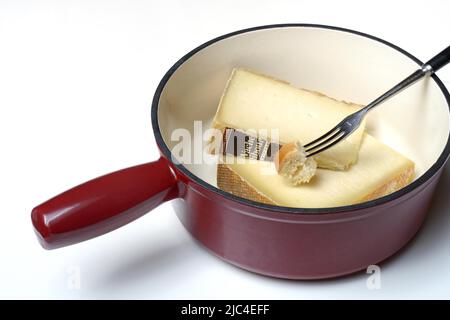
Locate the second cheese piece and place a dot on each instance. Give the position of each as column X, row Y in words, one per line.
column 379, row 171
column 253, row 102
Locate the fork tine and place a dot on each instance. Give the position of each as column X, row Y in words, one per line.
column 341, row 135
column 325, row 139
column 324, row 136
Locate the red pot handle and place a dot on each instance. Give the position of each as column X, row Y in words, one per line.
column 103, row 204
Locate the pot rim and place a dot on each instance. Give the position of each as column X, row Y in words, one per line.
column 282, row 209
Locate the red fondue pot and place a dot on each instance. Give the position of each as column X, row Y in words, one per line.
column 294, row 243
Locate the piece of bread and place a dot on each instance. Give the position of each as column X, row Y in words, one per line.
column 291, row 162
column 379, row 171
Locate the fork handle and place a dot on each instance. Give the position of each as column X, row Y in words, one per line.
column 434, row 64
column 439, row 60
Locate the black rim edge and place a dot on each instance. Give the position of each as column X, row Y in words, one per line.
column 281, row 209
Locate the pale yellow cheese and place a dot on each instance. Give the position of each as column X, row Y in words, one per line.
column 379, row 171
column 253, row 101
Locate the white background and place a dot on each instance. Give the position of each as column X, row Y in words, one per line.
column 76, row 83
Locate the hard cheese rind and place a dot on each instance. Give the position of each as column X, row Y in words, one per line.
column 379, row 171
column 253, row 102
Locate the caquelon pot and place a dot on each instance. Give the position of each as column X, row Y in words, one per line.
column 294, row 243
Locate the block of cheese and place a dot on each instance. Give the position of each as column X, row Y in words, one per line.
column 379, row 171
column 253, row 102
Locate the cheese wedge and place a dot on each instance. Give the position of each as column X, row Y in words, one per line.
column 253, row 102
column 379, row 171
